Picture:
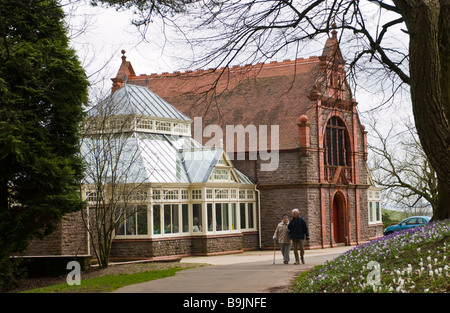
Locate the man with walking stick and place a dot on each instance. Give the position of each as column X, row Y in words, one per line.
column 282, row 236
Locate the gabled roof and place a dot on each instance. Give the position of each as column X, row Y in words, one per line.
column 199, row 163
column 132, row 99
column 275, row 93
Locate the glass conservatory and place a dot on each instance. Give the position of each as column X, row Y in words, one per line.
column 164, row 185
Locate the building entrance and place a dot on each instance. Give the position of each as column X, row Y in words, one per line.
column 339, row 218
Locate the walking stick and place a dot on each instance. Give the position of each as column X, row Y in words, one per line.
column 274, row 245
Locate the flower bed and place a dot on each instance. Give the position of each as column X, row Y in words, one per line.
column 414, row 260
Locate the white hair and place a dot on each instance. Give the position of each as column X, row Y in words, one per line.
column 295, row 210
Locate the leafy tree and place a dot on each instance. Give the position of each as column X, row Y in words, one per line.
column 258, row 30
column 42, row 91
column 388, row 218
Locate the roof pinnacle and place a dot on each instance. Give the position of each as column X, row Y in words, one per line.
column 333, row 32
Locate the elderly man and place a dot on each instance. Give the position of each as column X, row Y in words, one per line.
column 297, row 232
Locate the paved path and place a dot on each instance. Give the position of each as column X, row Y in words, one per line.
column 248, row 272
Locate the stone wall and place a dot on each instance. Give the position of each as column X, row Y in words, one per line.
column 69, row 238
column 161, row 248
column 49, row 245
column 250, row 240
column 375, row 231
column 296, row 184
column 130, row 249
column 74, row 236
column 275, row 203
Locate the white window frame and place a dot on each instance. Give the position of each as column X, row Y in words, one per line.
column 246, row 216
column 137, row 212
column 196, row 194
column 373, row 207
column 158, row 198
column 91, row 196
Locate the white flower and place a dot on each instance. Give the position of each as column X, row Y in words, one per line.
column 421, row 270
column 410, row 269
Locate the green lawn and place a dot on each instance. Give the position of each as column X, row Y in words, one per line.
column 391, row 216
column 107, row 283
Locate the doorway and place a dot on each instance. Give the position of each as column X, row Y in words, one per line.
column 339, row 209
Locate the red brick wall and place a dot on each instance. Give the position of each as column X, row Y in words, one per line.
column 296, row 184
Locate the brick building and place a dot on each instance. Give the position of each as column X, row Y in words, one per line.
column 312, row 157
column 321, row 147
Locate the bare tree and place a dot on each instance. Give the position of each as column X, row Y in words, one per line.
column 400, row 166
column 113, row 178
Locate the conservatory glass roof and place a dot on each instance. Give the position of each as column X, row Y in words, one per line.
column 140, row 157
column 151, row 158
column 132, row 99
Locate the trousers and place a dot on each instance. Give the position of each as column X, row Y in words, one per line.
column 299, row 244
column 285, row 250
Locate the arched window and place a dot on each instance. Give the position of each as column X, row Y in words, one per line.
column 337, row 146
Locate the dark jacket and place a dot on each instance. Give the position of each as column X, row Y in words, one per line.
column 297, row 228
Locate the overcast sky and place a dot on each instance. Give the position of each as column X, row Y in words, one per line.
column 105, row 32
column 98, row 34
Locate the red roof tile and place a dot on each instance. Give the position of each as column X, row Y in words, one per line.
column 276, row 93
